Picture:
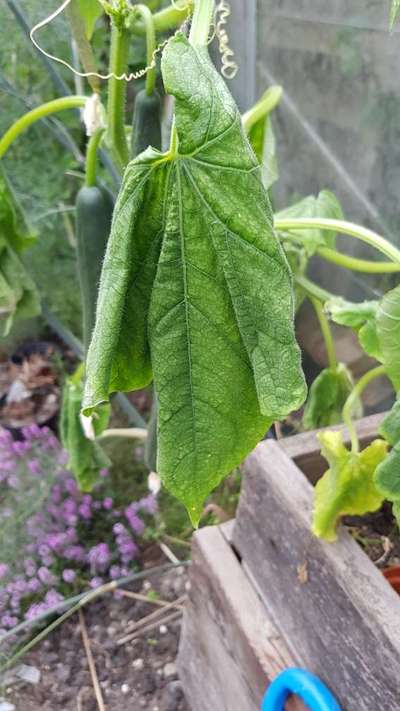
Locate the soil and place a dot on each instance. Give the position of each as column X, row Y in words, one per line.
column 377, row 533
column 136, row 675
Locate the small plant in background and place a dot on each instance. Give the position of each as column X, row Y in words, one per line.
column 57, row 541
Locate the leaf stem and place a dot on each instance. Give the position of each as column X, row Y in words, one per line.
column 326, row 332
column 116, row 94
column 351, row 403
column 125, row 433
column 312, row 289
column 151, row 45
column 268, row 102
column 51, row 107
column 85, row 50
column 202, row 17
column 91, row 158
column 343, row 227
column 357, row 265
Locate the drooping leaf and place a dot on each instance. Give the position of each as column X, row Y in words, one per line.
column 394, row 12
column 327, row 397
column 325, row 205
column 388, row 330
column 348, row 487
column 196, row 289
column 90, row 11
column 362, row 317
column 86, row 457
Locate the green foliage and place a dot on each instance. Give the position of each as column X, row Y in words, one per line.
column 262, row 138
column 91, row 11
column 388, row 331
column 394, row 12
column 86, row 457
column 325, row 205
column 327, row 396
column 347, row 487
column 19, row 298
column 362, row 317
column 387, row 476
column 195, row 289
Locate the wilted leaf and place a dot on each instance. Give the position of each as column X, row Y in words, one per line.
column 388, row 330
column 196, row 289
column 13, row 227
column 348, row 487
column 387, row 476
column 327, row 397
column 86, row 457
column 90, row 11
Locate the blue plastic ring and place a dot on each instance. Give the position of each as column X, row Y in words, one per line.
column 305, row 685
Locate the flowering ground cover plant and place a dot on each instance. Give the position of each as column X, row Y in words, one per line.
column 56, row 540
column 199, row 281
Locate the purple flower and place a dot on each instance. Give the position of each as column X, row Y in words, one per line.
column 68, row 575
column 107, row 503
column 45, row 576
column 115, row 572
column 34, row 466
column 149, row 504
column 99, row 557
column 8, row 622
column 4, row 569
column 85, row 511
column 96, row 582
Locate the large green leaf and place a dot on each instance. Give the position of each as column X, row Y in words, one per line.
column 327, row 396
column 325, row 205
column 90, row 11
column 388, row 330
column 347, row 488
column 196, row 290
column 394, row 12
column 86, row 457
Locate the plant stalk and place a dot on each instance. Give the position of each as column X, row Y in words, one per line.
column 151, row 46
column 357, row 265
column 351, row 402
column 326, row 332
column 84, row 47
column 116, row 94
column 268, row 102
column 312, row 289
column 91, row 158
column 343, row 227
column 201, row 22
column 51, row 107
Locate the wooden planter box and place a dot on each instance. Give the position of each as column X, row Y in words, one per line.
column 266, row 594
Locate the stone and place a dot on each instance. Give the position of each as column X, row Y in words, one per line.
column 170, row 670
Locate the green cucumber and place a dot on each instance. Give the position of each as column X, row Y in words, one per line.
column 146, row 128
column 94, row 208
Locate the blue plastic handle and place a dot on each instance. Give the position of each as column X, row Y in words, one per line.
column 305, row 685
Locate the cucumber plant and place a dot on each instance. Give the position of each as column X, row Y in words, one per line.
column 199, row 282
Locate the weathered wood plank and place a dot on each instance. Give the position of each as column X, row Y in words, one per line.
column 304, row 448
column 229, row 647
column 344, row 622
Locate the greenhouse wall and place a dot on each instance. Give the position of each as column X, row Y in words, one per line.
column 338, row 126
